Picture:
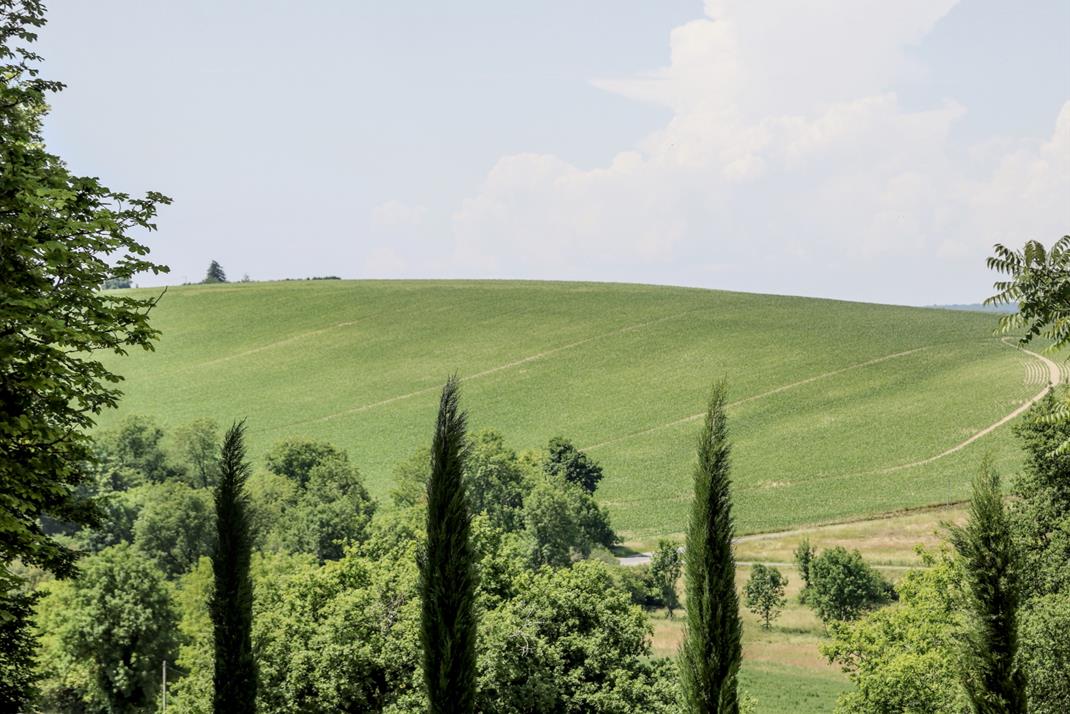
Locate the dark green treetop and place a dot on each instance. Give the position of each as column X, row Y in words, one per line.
column 447, row 569
column 711, row 653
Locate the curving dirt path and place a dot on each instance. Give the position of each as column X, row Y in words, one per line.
column 1054, row 378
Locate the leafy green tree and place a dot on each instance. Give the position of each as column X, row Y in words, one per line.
column 197, row 443
column 63, row 237
column 295, row 458
column 113, row 626
column 232, row 599
column 565, row 460
column 640, row 586
column 1040, row 509
column 495, row 481
column 342, row 637
column 592, row 521
column 193, row 693
column 174, row 526
column 666, row 565
column 215, row 274
column 572, row 642
column 272, row 500
column 711, row 651
column 447, row 569
column 992, row 672
column 905, row 658
column 764, row 593
column 332, row 512
column 843, row 585
column 804, row 555
column 134, row 451
column 17, row 680
column 550, row 526
column 1045, row 653
column 410, row 480
column 1039, row 284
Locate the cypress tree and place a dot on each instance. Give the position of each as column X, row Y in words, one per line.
column 232, row 602
column 994, row 682
column 447, row 570
column 711, row 652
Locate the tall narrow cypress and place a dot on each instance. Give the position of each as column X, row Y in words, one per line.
column 232, row 602
column 447, row 570
column 994, row 682
column 711, row 651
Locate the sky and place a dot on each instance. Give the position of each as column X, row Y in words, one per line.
column 854, row 149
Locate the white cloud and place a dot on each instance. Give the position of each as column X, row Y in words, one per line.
column 397, row 214
column 788, row 156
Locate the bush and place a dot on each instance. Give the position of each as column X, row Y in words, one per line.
column 843, row 586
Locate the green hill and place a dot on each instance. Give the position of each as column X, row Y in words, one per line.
column 837, row 402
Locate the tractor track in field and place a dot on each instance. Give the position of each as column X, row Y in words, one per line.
column 1054, row 378
column 490, row 371
column 1055, row 374
column 763, row 395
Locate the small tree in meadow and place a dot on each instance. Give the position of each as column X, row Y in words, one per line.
column 843, row 585
column 764, row 594
column 804, row 555
column 665, row 568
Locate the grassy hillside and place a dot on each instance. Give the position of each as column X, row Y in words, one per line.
column 835, row 401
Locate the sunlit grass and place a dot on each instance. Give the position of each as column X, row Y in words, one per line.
column 617, row 368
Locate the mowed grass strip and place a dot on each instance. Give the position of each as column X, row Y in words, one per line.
column 831, row 393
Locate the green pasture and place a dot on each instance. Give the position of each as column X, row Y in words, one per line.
column 836, row 400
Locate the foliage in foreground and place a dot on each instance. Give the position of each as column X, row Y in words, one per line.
column 992, row 674
column 447, row 569
column 910, row 656
column 906, row 658
column 711, row 652
column 232, row 598
column 105, row 634
column 64, row 236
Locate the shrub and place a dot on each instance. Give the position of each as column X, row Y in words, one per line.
column 843, row 586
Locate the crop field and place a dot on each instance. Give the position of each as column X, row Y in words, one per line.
column 840, row 409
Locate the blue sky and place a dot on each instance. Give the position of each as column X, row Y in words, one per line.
column 859, row 149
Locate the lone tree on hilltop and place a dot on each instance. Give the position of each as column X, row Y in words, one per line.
column 215, row 274
column 711, row 652
column 992, row 676
column 447, row 569
column 232, row 601
column 61, row 238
